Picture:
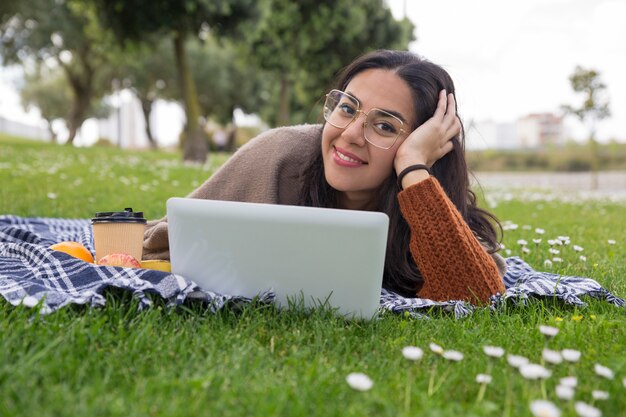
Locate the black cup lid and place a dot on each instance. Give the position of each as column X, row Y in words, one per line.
column 127, row 216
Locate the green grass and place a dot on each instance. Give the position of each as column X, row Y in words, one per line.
column 118, row 361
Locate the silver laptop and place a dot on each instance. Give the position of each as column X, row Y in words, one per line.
column 307, row 256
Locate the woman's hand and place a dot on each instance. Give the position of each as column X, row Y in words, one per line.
column 433, row 139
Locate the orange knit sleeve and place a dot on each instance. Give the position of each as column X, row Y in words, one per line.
column 452, row 261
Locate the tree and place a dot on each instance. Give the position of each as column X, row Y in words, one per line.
column 138, row 20
column 148, row 71
column 595, row 107
column 225, row 81
column 51, row 94
column 48, row 90
column 64, row 32
column 304, row 43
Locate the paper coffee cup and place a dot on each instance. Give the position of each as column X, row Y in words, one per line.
column 118, row 232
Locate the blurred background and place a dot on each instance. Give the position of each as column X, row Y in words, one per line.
column 540, row 83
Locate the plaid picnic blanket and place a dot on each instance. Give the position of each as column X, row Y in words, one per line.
column 35, row 276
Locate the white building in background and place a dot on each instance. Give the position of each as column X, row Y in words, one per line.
column 12, row 127
column 540, row 129
column 532, row 131
column 487, row 134
column 126, row 125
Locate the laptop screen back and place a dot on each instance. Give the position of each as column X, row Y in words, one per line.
column 304, row 255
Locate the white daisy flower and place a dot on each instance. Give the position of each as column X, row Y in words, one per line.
column 359, row 381
column 583, row 258
column 483, row 379
column 554, row 251
column 436, row 348
column 586, row 410
column 603, row 371
column 516, row 361
column 512, row 226
column 493, row 351
column 564, row 392
column 557, row 259
column 539, row 231
column 543, row 408
column 569, row 381
column 551, row 242
column 548, row 330
column 522, row 242
column 52, row 196
column 536, row 241
column 611, row 242
column 453, row 355
column 412, row 353
column 577, row 248
column 551, row 356
column 570, row 355
column 534, row 371
column 525, row 250
column 547, row 263
column 600, row 395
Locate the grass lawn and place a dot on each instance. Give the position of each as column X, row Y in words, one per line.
column 118, row 361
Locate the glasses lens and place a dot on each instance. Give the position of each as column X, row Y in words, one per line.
column 382, row 128
column 340, row 109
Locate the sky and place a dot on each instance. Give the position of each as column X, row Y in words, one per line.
column 508, row 58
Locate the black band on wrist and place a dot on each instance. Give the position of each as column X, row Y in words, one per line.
column 409, row 169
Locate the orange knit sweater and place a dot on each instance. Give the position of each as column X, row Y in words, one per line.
column 453, row 264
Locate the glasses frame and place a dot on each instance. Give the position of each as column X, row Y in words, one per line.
column 357, row 113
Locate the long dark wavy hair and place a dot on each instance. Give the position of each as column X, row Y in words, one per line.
column 425, row 80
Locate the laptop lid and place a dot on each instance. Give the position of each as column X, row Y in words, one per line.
column 306, row 255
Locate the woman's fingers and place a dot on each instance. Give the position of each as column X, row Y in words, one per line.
column 433, row 139
column 450, row 119
column 447, row 147
column 442, row 105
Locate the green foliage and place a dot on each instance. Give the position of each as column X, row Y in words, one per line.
column 305, row 43
column 186, row 360
column 225, row 79
column 134, row 20
column 49, row 92
column 570, row 158
column 139, row 21
column 148, row 69
column 595, row 105
column 59, row 34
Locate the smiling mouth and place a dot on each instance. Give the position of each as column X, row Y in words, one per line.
column 348, row 159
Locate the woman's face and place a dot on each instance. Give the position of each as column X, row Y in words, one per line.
column 353, row 166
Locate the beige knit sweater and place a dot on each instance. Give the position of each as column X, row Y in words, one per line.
column 268, row 170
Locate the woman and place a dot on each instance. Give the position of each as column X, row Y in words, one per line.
column 392, row 142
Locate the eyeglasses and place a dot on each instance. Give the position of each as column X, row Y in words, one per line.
column 382, row 129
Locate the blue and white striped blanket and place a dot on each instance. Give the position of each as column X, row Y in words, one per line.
column 35, row 276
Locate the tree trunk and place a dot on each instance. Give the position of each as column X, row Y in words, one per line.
column 81, row 83
column 195, row 145
column 72, row 128
column 595, row 161
column 77, row 113
column 231, row 143
column 146, row 106
column 285, row 92
column 53, row 134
